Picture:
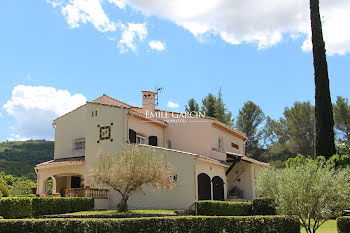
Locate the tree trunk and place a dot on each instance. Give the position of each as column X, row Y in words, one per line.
column 324, row 140
column 123, row 206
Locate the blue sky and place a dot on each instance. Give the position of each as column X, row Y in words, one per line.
column 42, row 46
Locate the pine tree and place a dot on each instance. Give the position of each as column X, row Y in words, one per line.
column 192, row 106
column 208, row 107
column 249, row 119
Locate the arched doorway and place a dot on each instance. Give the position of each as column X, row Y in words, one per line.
column 204, row 187
column 218, row 188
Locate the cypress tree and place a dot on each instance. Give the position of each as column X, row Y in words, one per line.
column 324, row 140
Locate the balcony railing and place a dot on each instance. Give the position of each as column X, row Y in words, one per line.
column 87, row 192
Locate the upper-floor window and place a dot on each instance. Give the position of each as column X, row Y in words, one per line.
column 234, row 145
column 140, row 139
column 220, row 143
column 79, row 144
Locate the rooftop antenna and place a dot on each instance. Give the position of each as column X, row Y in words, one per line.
column 158, row 90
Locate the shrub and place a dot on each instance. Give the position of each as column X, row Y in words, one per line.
column 223, row 208
column 20, row 207
column 56, row 205
column 264, row 206
column 251, row 224
column 15, row 207
column 312, row 192
column 4, row 192
column 343, row 224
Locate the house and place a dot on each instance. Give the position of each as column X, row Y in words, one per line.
column 208, row 155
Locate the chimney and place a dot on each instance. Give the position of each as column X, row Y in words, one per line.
column 148, row 101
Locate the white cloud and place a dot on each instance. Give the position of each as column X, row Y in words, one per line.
column 119, row 3
column 130, row 34
column 263, row 23
column 172, row 104
column 83, row 11
column 260, row 22
column 157, row 45
column 35, row 107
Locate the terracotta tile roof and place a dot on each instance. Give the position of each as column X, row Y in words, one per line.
column 62, row 162
column 250, row 160
column 105, row 99
column 247, row 159
column 210, row 160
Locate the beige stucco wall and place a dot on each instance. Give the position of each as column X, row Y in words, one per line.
column 105, row 117
column 192, row 136
column 227, row 139
column 69, row 127
column 246, row 179
column 211, row 170
column 179, row 198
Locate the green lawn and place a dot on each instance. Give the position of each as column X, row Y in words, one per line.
column 329, row 226
column 110, row 212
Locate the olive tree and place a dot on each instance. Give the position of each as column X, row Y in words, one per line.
column 312, row 192
column 130, row 170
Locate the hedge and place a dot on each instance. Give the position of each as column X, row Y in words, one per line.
column 15, row 207
column 251, row 224
column 263, row 206
column 20, row 207
column 56, row 205
column 343, row 224
column 223, row 208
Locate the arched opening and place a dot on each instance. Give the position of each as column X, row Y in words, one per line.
column 218, row 188
column 204, row 187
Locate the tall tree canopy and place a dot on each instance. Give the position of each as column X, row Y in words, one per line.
column 221, row 112
column 342, row 118
column 324, row 141
column 208, row 105
column 212, row 106
column 248, row 121
column 294, row 133
column 192, row 106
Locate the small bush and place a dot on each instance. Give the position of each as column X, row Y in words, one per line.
column 57, row 205
column 343, row 224
column 20, row 207
column 251, row 224
column 15, row 207
column 264, row 206
column 223, row 208
column 4, row 192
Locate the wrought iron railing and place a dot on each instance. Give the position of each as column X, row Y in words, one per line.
column 87, row 192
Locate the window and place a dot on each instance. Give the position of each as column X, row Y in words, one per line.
column 221, row 143
column 140, row 139
column 234, row 145
column 79, row 144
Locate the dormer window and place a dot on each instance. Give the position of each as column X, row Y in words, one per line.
column 140, row 139
column 79, row 144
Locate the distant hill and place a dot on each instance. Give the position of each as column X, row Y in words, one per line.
column 19, row 158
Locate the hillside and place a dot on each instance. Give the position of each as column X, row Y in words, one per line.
column 19, row 158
